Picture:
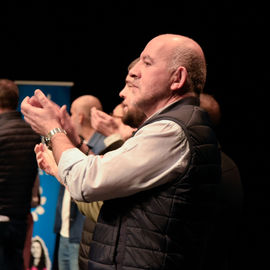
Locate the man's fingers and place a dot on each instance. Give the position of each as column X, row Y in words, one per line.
column 27, row 107
column 26, row 119
column 99, row 115
column 26, row 99
column 63, row 112
column 39, row 156
column 41, row 98
column 34, row 102
column 25, row 104
column 63, row 109
column 38, row 148
column 102, row 114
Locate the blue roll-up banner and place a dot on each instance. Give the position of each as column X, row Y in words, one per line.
column 44, row 214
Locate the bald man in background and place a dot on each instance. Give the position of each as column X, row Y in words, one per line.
column 68, row 220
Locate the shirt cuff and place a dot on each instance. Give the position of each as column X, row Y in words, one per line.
column 68, row 159
column 112, row 138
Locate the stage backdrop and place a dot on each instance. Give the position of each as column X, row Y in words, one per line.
column 44, row 215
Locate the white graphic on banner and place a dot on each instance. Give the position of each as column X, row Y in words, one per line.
column 39, row 210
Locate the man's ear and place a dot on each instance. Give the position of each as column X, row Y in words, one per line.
column 179, row 78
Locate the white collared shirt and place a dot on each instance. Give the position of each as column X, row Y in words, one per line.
column 155, row 155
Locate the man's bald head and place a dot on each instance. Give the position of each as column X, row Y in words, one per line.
column 186, row 52
column 85, row 103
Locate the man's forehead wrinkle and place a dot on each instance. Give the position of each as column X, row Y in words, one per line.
column 157, row 51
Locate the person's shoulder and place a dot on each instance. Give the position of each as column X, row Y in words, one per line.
column 162, row 126
column 228, row 164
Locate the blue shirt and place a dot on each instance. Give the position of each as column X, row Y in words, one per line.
column 96, row 143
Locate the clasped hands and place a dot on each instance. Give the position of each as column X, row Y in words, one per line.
column 43, row 115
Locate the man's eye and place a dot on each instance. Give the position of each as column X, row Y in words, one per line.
column 147, row 63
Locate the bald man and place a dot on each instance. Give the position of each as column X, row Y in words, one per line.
column 81, row 119
column 158, row 188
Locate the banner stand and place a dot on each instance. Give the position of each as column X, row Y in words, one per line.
column 44, row 214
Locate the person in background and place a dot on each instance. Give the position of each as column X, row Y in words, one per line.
column 18, row 171
column 81, row 120
column 231, row 189
column 68, row 220
column 159, row 188
column 120, row 124
column 230, row 197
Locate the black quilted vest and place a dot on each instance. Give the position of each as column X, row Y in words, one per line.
column 18, row 166
column 166, row 227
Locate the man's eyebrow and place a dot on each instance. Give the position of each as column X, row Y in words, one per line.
column 148, row 57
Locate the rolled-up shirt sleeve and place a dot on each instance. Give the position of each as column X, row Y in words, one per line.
column 156, row 154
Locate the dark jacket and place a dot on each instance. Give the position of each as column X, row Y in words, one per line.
column 230, row 198
column 89, row 224
column 87, row 234
column 18, row 166
column 166, row 227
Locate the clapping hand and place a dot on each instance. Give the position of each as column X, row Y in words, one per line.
column 41, row 113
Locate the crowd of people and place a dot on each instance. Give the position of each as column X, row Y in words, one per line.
column 145, row 187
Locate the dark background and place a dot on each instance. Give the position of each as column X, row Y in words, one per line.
column 92, row 45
